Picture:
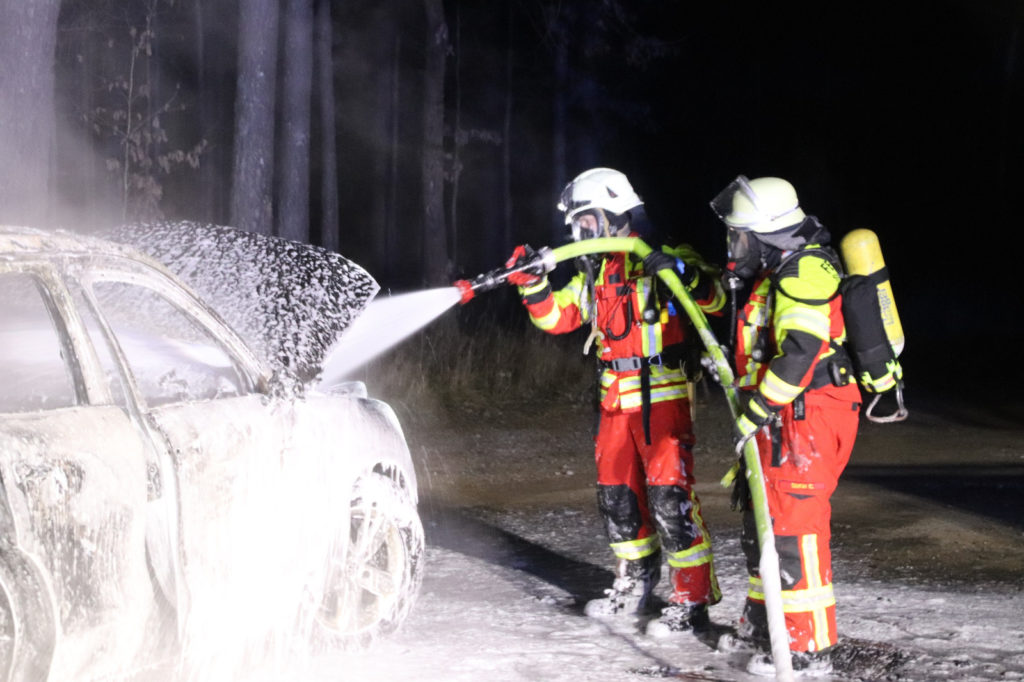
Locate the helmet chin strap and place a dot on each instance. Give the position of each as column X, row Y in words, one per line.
column 617, row 226
column 604, row 225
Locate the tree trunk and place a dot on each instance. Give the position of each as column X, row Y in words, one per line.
column 506, row 140
column 296, row 105
column 214, row 64
column 394, row 149
column 559, row 128
column 435, row 247
column 457, row 140
column 205, row 191
column 253, row 168
column 386, row 99
column 330, row 237
column 27, row 118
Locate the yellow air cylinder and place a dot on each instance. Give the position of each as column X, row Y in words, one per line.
column 862, row 255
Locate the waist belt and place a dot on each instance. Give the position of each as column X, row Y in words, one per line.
column 668, row 356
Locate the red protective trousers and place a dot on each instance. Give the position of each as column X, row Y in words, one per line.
column 799, row 485
column 645, row 494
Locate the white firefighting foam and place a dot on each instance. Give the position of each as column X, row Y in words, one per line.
column 256, row 567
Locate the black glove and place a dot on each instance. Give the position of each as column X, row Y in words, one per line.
column 657, row 261
column 752, row 417
column 756, row 408
column 739, row 500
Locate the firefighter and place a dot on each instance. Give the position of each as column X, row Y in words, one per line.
column 644, row 443
column 800, row 405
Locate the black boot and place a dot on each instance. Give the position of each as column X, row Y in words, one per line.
column 677, row 619
column 630, row 594
column 805, row 663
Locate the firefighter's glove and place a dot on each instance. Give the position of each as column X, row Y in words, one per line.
column 739, row 499
column 532, row 270
column 755, row 415
column 658, row 260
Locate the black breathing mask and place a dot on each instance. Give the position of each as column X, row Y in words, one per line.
column 746, row 253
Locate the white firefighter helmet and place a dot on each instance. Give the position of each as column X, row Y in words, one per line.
column 604, row 191
column 762, row 205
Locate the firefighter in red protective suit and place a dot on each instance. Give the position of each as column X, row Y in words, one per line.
column 644, row 444
column 801, row 405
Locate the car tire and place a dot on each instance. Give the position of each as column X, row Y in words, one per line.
column 28, row 627
column 373, row 585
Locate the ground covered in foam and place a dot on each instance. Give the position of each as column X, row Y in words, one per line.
column 929, row 567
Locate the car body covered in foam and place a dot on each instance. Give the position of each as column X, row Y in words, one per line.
column 167, row 492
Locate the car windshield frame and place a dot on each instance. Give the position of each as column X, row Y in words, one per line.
column 45, row 276
column 118, row 269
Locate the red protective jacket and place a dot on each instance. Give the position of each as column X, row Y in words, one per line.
column 787, row 335
column 621, row 292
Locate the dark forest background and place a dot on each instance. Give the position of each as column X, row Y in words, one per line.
column 424, row 139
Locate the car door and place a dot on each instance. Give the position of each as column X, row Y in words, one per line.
column 74, row 487
column 223, row 438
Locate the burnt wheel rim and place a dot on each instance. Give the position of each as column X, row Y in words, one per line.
column 365, row 586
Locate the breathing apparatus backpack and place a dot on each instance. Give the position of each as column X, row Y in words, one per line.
column 874, row 335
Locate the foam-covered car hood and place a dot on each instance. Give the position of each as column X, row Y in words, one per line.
column 289, row 301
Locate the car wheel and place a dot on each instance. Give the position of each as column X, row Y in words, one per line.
column 372, row 586
column 27, row 620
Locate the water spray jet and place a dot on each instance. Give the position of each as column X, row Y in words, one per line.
column 386, row 321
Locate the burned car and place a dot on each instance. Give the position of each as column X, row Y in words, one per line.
column 174, row 487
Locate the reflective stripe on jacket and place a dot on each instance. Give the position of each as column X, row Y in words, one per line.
column 620, row 294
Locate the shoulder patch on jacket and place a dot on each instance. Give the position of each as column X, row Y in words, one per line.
column 809, row 277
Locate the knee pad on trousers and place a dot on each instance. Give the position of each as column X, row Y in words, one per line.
column 621, row 511
column 672, row 510
column 787, row 546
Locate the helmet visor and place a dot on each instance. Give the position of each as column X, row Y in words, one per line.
column 569, row 206
column 739, row 206
column 725, row 204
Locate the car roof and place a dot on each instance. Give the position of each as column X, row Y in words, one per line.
column 26, row 242
column 16, row 240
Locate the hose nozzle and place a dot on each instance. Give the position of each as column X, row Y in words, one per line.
column 466, row 289
column 542, row 263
